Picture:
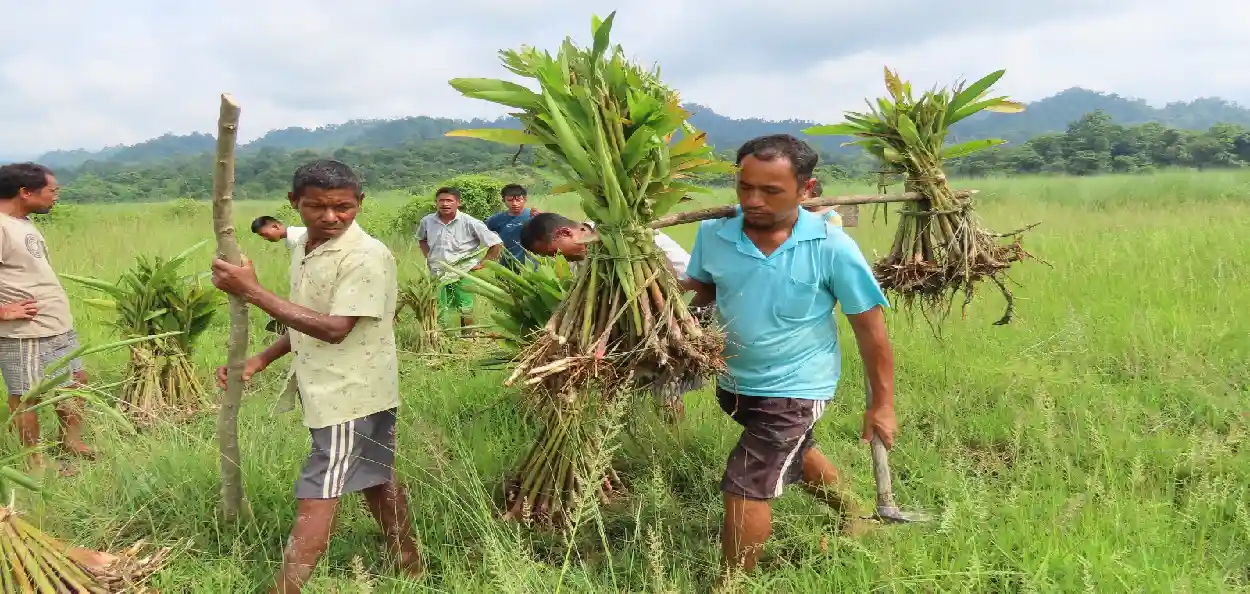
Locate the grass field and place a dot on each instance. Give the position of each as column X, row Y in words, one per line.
column 1097, row 444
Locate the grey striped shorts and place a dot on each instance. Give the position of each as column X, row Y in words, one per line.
column 348, row 457
column 23, row 360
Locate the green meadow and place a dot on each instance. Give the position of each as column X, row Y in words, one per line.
column 1099, row 443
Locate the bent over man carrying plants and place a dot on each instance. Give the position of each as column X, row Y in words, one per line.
column 775, row 272
column 345, row 369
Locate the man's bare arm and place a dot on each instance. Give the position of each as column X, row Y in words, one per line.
column 492, row 253
column 704, row 293
column 279, row 349
column 425, row 248
column 877, row 354
column 327, row 328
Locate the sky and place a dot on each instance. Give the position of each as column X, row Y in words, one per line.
column 89, row 74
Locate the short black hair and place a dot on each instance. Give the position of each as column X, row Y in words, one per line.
column 447, row 190
column 541, row 227
column 512, row 190
column 817, row 189
column 261, row 221
column 766, row 148
column 15, row 176
column 325, row 174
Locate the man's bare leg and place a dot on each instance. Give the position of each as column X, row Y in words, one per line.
column 69, row 413
column 465, row 321
column 26, row 422
column 748, row 524
column 822, row 480
column 389, row 505
column 314, row 521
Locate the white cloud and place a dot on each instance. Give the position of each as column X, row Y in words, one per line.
column 78, row 73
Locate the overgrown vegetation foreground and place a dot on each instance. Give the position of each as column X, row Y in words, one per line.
column 1098, row 443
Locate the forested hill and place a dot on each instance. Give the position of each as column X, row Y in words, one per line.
column 1052, row 114
column 1076, row 132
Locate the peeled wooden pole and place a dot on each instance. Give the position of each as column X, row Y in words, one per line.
column 232, row 500
column 721, row 212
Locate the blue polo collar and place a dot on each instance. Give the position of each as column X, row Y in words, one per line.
column 807, row 227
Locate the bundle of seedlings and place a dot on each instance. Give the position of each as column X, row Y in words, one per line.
column 420, row 296
column 524, row 298
column 621, row 140
column 33, row 561
column 154, row 298
column 939, row 250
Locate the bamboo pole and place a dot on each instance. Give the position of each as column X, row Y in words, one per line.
column 721, row 212
column 233, row 501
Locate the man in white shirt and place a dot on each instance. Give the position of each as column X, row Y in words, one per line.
column 273, row 230
column 449, row 237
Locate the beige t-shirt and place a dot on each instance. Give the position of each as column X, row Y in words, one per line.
column 26, row 273
column 354, row 275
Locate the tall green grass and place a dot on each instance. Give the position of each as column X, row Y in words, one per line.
column 1096, row 444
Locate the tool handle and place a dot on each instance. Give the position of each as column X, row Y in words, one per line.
column 880, row 457
column 881, row 472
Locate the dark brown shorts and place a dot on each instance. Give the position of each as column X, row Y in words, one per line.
column 776, row 434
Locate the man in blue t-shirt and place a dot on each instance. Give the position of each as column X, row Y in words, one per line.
column 775, row 272
column 508, row 224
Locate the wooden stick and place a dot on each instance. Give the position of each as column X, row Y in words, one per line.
column 721, row 212
column 232, row 497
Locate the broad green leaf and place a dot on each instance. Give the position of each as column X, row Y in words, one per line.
column 497, row 91
column 97, row 284
column 835, row 130
column 9, row 473
column 1006, row 107
column 968, row 110
column 890, row 155
column 105, row 304
column 973, row 91
column 178, row 260
column 638, row 145
column 907, row 129
column 972, row 146
column 500, row 135
column 602, row 33
column 688, row 144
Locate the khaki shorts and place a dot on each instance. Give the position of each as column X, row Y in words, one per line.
column 776, row 434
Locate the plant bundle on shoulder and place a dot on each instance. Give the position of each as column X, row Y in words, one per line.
column 939, row 249
column 154, row 298
column 620, row 139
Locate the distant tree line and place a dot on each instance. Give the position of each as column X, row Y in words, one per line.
column 1093, row 144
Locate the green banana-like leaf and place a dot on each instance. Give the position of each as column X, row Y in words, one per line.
column 499, row 135
column 971, row 93
column 100, row 285
column 972, row 146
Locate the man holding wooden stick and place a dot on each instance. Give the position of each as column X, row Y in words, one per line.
column 775, row 272
column 345, row 369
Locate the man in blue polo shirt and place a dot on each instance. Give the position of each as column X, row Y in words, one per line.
column 775, row 272
column 508, row 224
